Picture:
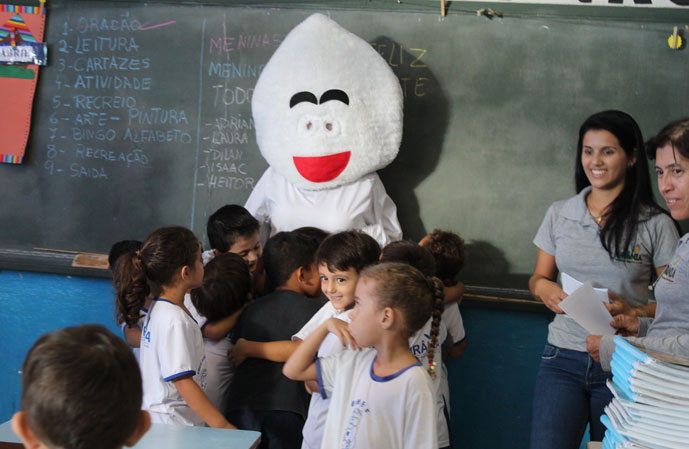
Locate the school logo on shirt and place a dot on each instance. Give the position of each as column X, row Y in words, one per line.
column 145, row 336
column 201, row 374
column 420, row 350
column 632, row 256
column 669, row 273
column 359, row 408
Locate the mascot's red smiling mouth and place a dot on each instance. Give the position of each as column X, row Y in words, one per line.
column 322, row 168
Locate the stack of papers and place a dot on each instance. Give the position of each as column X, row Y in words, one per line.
column 650, row 408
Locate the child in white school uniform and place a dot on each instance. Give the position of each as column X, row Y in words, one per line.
column 340, row 258
column 450, row 253
column 404, row 251
column 380, row 397
column 172, row 354
column 225, row 292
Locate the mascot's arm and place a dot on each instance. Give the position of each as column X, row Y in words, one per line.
column 383, row 225
column 259, row 206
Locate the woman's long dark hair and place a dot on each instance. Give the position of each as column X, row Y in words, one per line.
column 635, row 204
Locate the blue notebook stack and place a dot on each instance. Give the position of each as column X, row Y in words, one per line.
column 650, row 409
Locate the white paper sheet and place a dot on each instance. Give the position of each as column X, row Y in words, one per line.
column 585, row 307
column 569, row 284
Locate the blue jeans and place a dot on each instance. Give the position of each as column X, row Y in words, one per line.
column 570, row 393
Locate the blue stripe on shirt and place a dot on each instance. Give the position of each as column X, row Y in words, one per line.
column 175, row 376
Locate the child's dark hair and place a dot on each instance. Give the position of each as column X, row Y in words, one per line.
column 410, row 253
column 145, row 271
column 312, row 232
column 348, row 249
column 120, row 248
column 449, row 253
column 225, row 289
column 228, row 223
column 284, row 253
column 402, row 286
column 81, row 388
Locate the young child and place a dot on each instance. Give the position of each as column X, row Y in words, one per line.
column 449, row 252
column 410, row 253
column 260, row 397
column 81, row 388
column 172, row 354
column 132, row 334
column 340, row 259
column 225, row 291
column 233, row 229
column 382, row 397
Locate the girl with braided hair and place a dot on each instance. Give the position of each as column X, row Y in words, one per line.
column 381, row 396
column 405, row 251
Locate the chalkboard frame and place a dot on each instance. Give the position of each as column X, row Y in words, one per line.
column 61, row 263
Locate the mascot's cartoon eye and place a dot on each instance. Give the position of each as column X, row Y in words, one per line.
column 335, row 94
column 301, row 97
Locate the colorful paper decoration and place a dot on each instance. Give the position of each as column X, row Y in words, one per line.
column 18, row 45
column 25, row 25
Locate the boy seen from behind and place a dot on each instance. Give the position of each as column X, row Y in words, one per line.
column 81, row 388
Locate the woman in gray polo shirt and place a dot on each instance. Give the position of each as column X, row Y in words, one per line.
column 613, row 234
column 669, row 331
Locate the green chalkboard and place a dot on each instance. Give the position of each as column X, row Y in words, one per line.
column 143, row 119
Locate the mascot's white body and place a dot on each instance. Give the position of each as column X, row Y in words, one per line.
column 328, row 113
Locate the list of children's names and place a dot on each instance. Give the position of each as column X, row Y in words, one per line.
column 228, row 132
column 229, row 162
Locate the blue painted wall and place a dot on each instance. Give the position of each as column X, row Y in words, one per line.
column 33, row 304
column 491, row 385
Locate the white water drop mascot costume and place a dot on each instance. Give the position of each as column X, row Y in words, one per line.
column 328, row 113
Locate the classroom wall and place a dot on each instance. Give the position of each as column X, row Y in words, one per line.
column 33, row 304
column 491, row 385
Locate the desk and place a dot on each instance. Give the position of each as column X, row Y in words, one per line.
column 169, row 437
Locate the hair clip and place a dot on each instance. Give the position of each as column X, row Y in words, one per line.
column 432, row 365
